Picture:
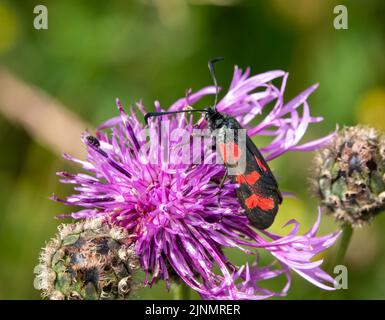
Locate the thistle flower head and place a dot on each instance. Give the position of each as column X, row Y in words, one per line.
column 350, row 175
column 87, row 260
column 175, row 212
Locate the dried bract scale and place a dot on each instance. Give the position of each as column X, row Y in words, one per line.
column 88, row 260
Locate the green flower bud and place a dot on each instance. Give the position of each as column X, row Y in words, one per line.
column 349, row 175
column 88, row 260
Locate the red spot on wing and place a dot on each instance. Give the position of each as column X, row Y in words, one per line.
column 230, row 152
column 260, row 163
column 261, row 202
column 235, row 152
column 251, row 178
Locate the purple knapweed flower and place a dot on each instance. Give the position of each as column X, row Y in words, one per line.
column 177, row 215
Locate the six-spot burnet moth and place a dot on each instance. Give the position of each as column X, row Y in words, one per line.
column 258, row 191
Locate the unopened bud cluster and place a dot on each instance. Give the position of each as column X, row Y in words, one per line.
column 350, row 175
column 88, row 260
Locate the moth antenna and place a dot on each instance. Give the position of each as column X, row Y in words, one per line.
column 212, row 73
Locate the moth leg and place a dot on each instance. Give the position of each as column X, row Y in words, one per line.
column 223, row 179
column 220, row 186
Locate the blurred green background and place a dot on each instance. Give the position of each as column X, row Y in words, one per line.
column 96, row 51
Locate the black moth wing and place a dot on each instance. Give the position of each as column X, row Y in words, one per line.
column 265, row 188
column 259, row 197
column 267, row 177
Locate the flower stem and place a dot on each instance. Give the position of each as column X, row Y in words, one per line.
column 181, row 292
column 347, row 232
